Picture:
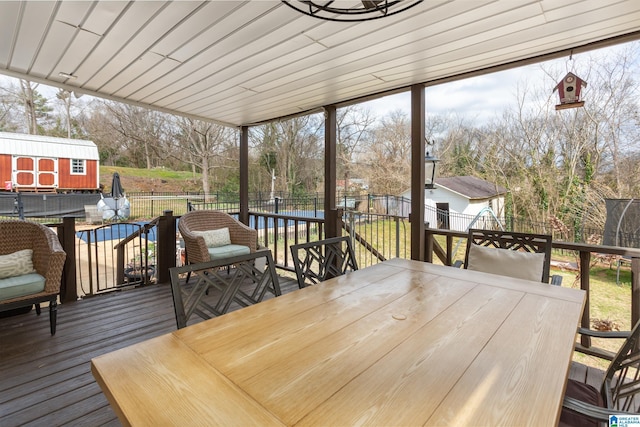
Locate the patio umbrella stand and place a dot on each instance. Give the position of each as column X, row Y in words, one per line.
column 116, row 207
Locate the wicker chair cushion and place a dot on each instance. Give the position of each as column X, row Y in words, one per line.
column 16, row 264
column 19, row 286
column 520, row 265
column 228, row 251
column 585, row 393
column 215, row 238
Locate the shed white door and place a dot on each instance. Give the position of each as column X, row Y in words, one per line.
column 35, row 172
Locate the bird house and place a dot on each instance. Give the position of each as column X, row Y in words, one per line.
column 569, row 90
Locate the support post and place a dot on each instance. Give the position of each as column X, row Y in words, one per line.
column 585, row 265
column 244, row 175
column 330, row 144
column 166, row 257
column 417, row 172
column 69, row 286
column 635, row 290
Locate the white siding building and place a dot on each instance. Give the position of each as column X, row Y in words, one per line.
column 457, row 201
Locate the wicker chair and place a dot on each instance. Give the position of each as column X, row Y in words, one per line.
column 48, row 261
column 204, row 220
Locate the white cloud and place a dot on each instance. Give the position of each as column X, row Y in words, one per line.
column 477, row 98
column 481, row 98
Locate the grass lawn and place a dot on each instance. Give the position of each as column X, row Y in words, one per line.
column 156, row 179
column 610, row 302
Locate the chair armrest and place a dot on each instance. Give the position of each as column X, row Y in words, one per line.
column 243, row 235
column 604, row 334
column 195, row 247
column 458, row 264
column 591, row 411
column 53, row 278
column 49, row 259
column 556, row 280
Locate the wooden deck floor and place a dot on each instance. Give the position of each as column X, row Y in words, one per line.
column 47, row 381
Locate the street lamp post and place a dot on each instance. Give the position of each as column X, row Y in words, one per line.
column 430, row 169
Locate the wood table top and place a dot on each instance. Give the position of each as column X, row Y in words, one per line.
column 399, row 343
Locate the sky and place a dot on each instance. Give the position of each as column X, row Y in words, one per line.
column 479, row 99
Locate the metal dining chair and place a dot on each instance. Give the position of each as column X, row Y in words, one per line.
column 253, row 276
column 317, row 261
column 619, row 393
column 528, row 256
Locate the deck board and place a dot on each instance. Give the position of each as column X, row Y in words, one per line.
column 47, row 381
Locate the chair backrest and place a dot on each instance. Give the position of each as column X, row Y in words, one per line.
column 48, row 256
column 621, row 386
column 204, row 220
column 522, row 242
column 323, row 260
column 216, row 288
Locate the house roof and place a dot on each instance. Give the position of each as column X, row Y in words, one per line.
column 246, row 62
column 471, row 187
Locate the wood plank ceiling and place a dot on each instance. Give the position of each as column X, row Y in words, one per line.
column 246, row 62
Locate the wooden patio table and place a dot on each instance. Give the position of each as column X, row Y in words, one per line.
column 399, row 343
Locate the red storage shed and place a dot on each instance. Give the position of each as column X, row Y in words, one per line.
column 45, row 163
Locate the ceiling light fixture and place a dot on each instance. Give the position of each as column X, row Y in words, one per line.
column 368, row 10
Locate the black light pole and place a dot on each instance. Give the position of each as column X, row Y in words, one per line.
column 430, row 169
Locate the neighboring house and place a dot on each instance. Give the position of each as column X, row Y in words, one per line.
column 457, row 201
column 44, row 163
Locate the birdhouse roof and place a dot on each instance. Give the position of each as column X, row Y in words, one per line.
column 578, row 80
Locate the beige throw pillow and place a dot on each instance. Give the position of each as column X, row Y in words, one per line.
column 505, row 262
column 215, row 238
column 16, row 264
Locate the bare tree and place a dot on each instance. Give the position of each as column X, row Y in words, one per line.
column 141, row 133
column 557, row 163
column 25, row 98
column 7, row 122
column 205, row 146
column 388, row 155
column 28, row 90
column 354, row 125
column 64, row 96
column 292, row 149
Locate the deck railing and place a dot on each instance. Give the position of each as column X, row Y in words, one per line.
column 376, row 238
column 445, row 253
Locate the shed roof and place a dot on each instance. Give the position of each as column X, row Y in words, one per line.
column 246, row 62
column 47, row 146
column 471, row 187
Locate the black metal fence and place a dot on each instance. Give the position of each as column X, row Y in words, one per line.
column 146, row 205
column 149, row 205
column 378, row 224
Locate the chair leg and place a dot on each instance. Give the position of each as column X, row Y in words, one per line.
column 53, row 315
column 37, row 309
column 186, row 262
